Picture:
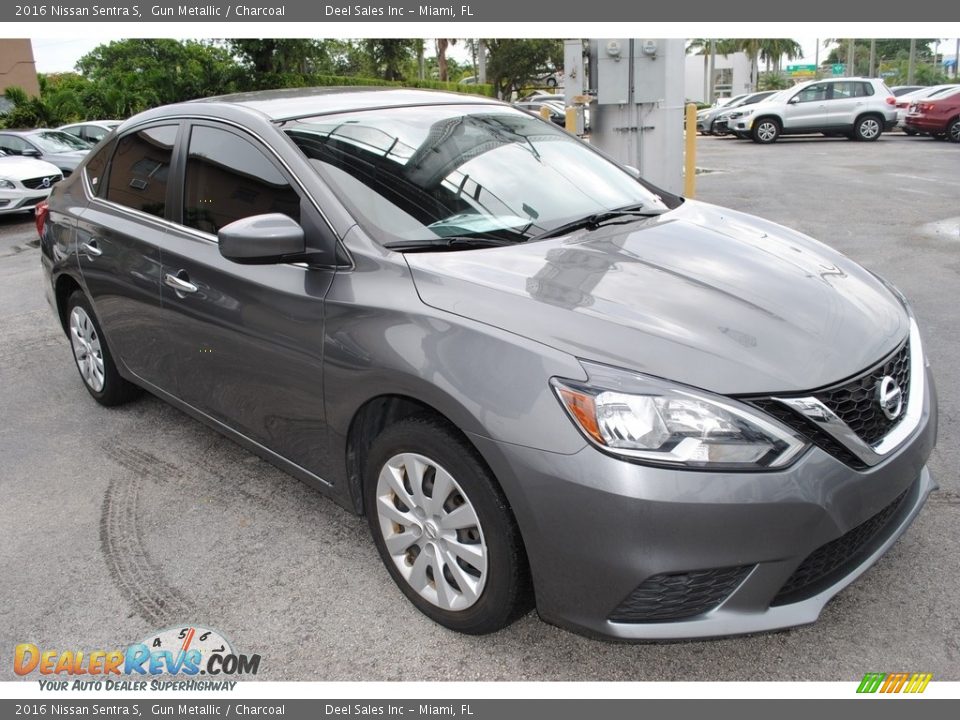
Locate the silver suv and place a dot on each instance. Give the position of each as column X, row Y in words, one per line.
column 860, row 108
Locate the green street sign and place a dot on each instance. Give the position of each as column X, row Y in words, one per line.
column 801, row 69
column 839, row 69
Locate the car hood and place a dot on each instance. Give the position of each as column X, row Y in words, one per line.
column 24, row 168
column 701, row 295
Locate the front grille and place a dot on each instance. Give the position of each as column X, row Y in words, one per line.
column 809, row 431
column 830, row 562
column 37, row 182
column 677, row 596
column 855, row 402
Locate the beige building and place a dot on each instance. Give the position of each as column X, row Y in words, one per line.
column 17, row 66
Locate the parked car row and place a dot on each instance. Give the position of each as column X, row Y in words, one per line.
column 555, row 105
column 32, row 161
column 857, row 108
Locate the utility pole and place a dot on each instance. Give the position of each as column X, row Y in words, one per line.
column 913, row 61
column 873, row 57
column 816, row 61
column 713, row 77
column 851, row 60
column 956, row 59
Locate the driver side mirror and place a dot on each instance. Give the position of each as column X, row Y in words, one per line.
column 30, row 152
column 794, row 100
column 262, row 240
column 632, row 170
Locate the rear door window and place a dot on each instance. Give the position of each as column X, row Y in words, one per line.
column 140, row 169
column 96, row 170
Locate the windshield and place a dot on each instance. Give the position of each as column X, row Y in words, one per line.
column 55, row 141
column 417, row 173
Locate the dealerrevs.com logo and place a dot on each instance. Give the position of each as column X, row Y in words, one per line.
column 186, row 652
column 911, row 683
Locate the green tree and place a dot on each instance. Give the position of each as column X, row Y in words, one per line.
column 160, row 71
column 388, row 58
column 512, row 63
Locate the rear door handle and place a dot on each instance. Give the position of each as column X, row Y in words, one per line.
column 179, row 282
column 91, row 249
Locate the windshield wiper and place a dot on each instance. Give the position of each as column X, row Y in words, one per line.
column 595, row 220
column 455, row 242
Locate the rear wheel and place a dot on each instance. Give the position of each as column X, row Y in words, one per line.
column 92, row 356
column 766, row 131
column 953, row 131
column 443, row 528
column 868, row 128
column 907, row 131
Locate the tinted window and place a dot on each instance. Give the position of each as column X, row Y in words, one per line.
column 842, row 90
column 76, row 130
column 95, row 133
column 814, row 93
column 139, row 170
column 54, row 141
column 12, row 145
column 96, row 169
column 229, row 178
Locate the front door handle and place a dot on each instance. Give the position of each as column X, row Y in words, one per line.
column 91, row 249
column 179, row 282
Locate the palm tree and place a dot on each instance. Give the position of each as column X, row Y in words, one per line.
column 442, row 45
column 752, row 48
column 772, row 51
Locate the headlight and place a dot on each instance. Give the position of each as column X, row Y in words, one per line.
column 7, row 184
column 649, row 419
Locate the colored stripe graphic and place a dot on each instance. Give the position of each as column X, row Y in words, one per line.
column 894, row 682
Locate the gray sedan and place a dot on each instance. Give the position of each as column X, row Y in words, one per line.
column 544, row 381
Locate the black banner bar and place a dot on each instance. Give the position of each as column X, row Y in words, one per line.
column 338, row 11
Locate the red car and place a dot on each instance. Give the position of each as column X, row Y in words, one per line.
column 939, row 117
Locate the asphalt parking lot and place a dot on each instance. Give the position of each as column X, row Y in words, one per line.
column 117, row 523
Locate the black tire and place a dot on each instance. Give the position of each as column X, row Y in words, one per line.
column 868, row 128
column 115, row 389
column 742, row 135
column 953, row 131
column 911, row 133
column 765, row 131
column 506, row 593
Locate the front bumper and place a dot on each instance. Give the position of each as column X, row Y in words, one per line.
column 597, row 529
column 14, row 201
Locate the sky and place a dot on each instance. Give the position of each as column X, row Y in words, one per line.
column 60, row 54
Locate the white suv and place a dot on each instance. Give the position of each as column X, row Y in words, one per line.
column 860, row 108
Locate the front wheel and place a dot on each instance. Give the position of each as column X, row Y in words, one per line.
column 953, row 131
column 766, row 131
column 443, row 527
column 868, row 129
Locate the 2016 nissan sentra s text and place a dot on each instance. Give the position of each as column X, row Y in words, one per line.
column 541, row 378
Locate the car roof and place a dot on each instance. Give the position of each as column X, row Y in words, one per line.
column 292, row 103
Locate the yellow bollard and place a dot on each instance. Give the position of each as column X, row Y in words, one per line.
column 690, row 153
column 570, row 118
column 545, row 112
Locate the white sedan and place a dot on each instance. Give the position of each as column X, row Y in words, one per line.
column 24, row 182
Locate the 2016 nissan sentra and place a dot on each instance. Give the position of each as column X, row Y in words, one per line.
column 541, row 378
